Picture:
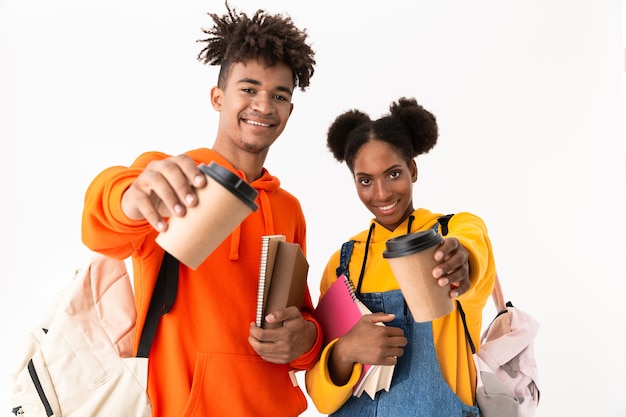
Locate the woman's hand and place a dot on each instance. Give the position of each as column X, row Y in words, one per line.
column 454, row 266
column 368, row 342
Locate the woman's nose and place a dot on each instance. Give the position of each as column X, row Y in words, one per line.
column 381, row 191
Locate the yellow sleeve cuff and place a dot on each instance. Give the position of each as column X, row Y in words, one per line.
column 327, row 396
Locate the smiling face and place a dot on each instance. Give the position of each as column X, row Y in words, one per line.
column 255, row 105
column 384, row 182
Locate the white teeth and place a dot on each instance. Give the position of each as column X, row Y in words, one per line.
column 389, row 207
column 252, row 122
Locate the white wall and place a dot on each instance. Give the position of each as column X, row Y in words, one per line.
column 529, row 99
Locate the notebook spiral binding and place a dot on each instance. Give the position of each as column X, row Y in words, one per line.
column 351, row 287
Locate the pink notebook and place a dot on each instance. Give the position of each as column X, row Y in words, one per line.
column 337, row 311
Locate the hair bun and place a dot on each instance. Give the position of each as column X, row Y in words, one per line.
column 421, row 123
column 339, row 131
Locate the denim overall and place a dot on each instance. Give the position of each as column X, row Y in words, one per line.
column 418, row 389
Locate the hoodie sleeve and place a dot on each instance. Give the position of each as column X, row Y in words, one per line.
column 471, row 232
column 327, row 396
column 308, row 359
column 105, row 227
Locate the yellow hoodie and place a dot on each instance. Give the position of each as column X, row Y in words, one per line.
column 455, row 356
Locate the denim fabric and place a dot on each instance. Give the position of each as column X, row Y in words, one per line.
column 418, row 389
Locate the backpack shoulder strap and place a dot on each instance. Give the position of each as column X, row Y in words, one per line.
column 163, row 298
column 467, row 333
column 443, row 222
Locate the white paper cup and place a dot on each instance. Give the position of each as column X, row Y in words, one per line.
column 223, row 204
column 411, row 259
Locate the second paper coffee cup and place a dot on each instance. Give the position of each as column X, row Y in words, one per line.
column 411, row 259
column 223, row 204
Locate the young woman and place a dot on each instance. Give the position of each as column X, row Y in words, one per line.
column 434, row 370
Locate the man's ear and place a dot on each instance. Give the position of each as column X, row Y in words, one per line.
column 290, row 109
column 216, row 98
column 413, row 171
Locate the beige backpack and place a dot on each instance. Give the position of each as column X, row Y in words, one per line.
column 80, row 361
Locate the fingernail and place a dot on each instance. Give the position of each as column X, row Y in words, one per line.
column 198, row 179
column 178, row 209
column 443, row 282
column 189, row 198
column 160, row 226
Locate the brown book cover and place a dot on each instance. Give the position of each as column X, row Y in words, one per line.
column 288, row 280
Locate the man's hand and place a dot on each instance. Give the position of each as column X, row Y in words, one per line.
column 165, row 188
column 283, row 344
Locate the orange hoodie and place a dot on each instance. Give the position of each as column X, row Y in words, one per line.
column 201, row 363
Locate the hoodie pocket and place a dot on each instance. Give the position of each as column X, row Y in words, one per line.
column 238, row 385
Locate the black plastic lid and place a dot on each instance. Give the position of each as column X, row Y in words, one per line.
column 411, row 243
column 232, row 182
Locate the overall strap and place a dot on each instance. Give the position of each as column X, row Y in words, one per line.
column 162, row 300
column 344, row 258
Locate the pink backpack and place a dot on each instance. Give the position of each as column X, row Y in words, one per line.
column 507, row 374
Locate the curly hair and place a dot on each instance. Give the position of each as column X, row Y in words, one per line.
column 235, row 38
column 409, row 128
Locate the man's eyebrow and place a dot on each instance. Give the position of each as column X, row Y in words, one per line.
column 249, row 81
column 253, row 81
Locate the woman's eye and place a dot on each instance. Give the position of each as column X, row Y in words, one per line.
column 364, row 181
column 394, row 174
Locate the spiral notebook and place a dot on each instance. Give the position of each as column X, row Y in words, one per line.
column 283, row 273
column 337, row 311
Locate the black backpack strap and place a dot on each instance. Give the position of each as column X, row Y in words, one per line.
column 162, row 300
column 467, row 333
column 443, row 222
column 344, row 258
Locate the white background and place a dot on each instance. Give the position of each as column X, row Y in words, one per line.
column 529, row 100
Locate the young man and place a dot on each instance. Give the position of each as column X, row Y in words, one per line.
column 207, row 358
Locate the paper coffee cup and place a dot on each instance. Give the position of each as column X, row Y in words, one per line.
column 411, row 259
column 223, row 204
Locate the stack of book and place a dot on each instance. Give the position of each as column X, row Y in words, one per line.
column 282, row 277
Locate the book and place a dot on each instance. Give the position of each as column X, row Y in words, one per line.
column 282, row 277
column 269, row 247
column 337, row 311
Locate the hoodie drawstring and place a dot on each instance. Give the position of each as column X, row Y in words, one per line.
column 406, row 307
column 367, row 248
column 267, row 212
column 235, row 237
column 267, row 218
